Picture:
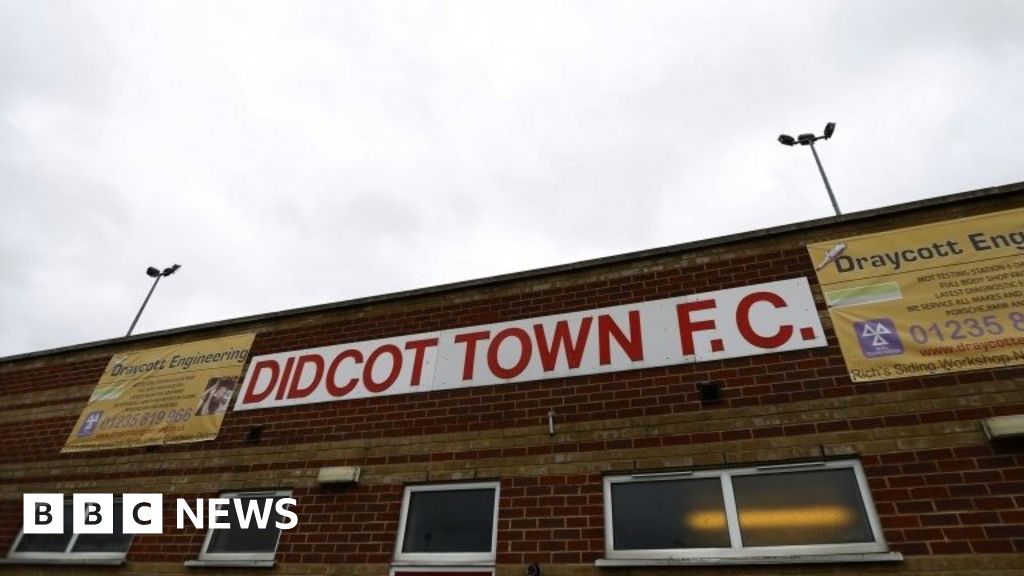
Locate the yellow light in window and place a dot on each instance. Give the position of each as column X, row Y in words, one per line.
column 710, row 520
column 805, row 517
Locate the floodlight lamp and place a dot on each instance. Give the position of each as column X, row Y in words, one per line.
column 156, row 274
column 809, row 140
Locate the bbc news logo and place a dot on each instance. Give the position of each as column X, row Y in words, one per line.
column 144, row 513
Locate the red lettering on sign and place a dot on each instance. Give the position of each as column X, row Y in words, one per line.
column 687, row 326
column 332, row 371
column 470, row 341
column 318, row 365
column 633, row 345
column 396, row 367
column 284, row 377
column 271, row 366
column 747, row 331
column 420, row 347
column 525, row 352
column 562, row 340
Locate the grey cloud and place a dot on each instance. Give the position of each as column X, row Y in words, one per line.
column 294, row 154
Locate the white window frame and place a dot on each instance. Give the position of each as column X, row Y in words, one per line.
column 435, row 569
column 243, row 557
column 68, row 556
column 405, row 560
column 842, row 552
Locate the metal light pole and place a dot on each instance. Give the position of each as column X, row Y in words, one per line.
column 809, row 140
column 156, row 275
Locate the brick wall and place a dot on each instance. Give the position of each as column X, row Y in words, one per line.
column 949, row 499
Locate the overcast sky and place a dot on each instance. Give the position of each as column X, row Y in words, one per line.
column 296, row 153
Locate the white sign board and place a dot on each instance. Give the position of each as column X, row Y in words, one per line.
column 760, row 319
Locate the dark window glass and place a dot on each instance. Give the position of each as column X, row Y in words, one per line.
column 669, row 514
column 48, row 542
column 251, row 540
column 449, row 521
column 819, row 507
column 116, row 542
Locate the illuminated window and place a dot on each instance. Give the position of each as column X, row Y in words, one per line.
column 766, row 511
column 448, row 523
column 75, row 548
column 254, row 544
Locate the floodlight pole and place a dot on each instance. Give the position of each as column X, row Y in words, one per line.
column 808, row 140
column 828, row 187
column 144, row 302
column 157, row 275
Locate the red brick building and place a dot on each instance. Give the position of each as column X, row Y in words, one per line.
column 618, row 470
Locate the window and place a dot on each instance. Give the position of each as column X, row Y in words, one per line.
column 74, row 548
column 777, row 511
column 448, row 524
column 249, row 545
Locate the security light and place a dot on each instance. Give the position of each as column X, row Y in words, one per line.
column 787, row 139
column 829, row 129
column 152, row 272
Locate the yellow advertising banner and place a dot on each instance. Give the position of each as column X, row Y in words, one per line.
column 168, row 395
column 937, row 298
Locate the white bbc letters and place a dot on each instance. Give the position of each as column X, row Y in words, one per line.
column 219, row 509
column 43, row 513
column 142, row 513
column 92, row 514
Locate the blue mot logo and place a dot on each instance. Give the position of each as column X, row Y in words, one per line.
column 878, row 337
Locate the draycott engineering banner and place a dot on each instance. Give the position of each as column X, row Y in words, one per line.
column 760, row 319
column 166, row 395
column 943, row 297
